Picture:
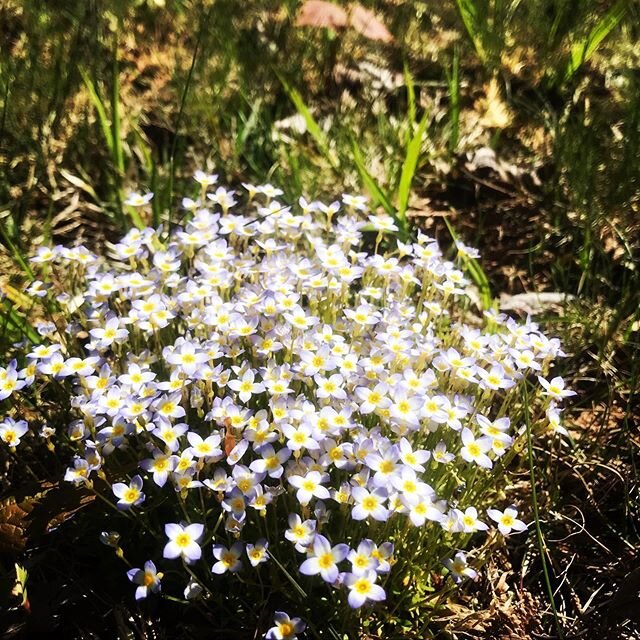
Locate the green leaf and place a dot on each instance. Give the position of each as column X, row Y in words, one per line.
column 470, row 13
column 411, row 93
column 312, row 126
column 115, row 114
column 476, row 272
column 409, row 168
column 17, row 254
column 453, row 79
column 19, row 322
column 98, row 104
column 582, row 50
column 371, row 185
column 249, row 126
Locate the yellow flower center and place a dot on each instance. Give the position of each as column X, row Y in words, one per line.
column 183, row 540
column 474, row 449
column 362, row 586
column 285, row 629
column 325, row 560
column 309, row 485
column 131, row 495
column 386, row 466
column 369, row 503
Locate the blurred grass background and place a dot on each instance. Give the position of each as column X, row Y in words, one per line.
column 513, row 124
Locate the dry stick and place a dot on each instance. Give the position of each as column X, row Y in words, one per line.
column 536, row 516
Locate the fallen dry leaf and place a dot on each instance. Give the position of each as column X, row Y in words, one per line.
column 533, row 303
column 317, row 13
column 38, row 514
column 495, row 113
column 366, row 23
column 13, row 525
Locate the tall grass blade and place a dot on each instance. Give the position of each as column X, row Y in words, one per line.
column 115, row 116
column 145, row 154
column 312, row 126
column 12, row 318
column 453, row 79
column 583, row 49
column 371, row 185
column 6, row 78
column 249, row 126
column 16, row 253
column 98, row 105
column 542, row 547
column 476, row 272
column 409, row 169
column 470, row 13
column 411, row 93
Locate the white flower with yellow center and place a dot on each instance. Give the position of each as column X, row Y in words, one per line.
column 11, row 431
column 507, row 520
column 129, row 495
column 363, row 587
column 183, row 541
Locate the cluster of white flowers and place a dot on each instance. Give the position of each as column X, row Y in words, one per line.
column 264, row 361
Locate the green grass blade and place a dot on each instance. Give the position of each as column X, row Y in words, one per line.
column 115, row 115
column 377, row 194
column 470, row 14
column 453, row 79
column 6, row 79
column 248, row 127
column 542, row 547
column 98, row 105
column 583, row 49
column 476, row 272
column 409, row 169
column 19, row 322
column 17, row 254
column 411, row 93
column 312, row 126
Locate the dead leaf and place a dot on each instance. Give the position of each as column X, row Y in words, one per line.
column 366, row 23
column 495, row 113
column 13, row 524
column 317, row 13
column 57, row 506
column 35, row 515
column 533, row 303
column 230, row 440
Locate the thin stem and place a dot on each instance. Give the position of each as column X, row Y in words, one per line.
column 536, row 515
